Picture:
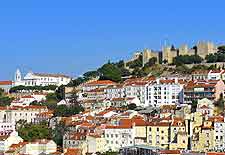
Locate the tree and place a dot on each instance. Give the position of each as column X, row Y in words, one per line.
column 110, row 71
column 90, row 74
column 5, row 100
column 32, row 88
column 1, row 92
column 210, row 58
column 187, row 59
column 30, row 132
column 194, row 106
column 152, row 61
column 51, row 98
column 221, row 49
column 58, row 132
column 60, row 93
column 199, row 67
column 136, row 63
column 65, row 111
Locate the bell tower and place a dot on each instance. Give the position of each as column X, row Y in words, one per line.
column 18, row 76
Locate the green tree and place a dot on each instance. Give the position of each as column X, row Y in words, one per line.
column 5, row 100
column 194, row 106
column 52, row 98
column 187, row 59
column 110, row 71
column 58, row 132
column 76, row 82
column 65, row 111
column 221, row 49
column 210, row 58
column 90, row 74
column 136, row 63
column 152, row 61
column 60, row 93
column 30, row 132
column 1, row 92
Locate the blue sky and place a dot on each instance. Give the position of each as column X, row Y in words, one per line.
column 74, row 36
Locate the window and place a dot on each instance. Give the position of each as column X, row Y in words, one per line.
column 162, row 131
column 157, row 129
column 150, row 129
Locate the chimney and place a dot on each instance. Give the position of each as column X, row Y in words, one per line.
column 157, row 81
column 176, row 80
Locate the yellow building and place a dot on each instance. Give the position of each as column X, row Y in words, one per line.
column 158, row 134
column 178, row 135
column 96, row 143
column 140, row 134
column 203, row 137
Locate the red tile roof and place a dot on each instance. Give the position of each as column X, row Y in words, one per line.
column 101, row 82
column 170, row 152
column 73, row 151
column 28, row 96
column 6, row 82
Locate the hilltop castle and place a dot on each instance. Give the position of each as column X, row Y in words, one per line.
column 168, row 53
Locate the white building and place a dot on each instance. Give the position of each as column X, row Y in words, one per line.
column 115, row 91
column 23, row 101
column 39, row 79
column 164, row 92
column 215, row 74
column 136, row 89
column 14, row 114
column 219, row 133
column 41, row 146
column 6, row 128
column 26, row 100
column 7, row 141
column 205, row 106
column 119, row 136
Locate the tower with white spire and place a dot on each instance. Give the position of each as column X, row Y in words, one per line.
column 18, row 76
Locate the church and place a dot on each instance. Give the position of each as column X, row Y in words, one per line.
column 40, row 79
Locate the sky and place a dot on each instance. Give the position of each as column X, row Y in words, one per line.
column 75, row 36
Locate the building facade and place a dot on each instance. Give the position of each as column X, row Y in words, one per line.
column 40, row 79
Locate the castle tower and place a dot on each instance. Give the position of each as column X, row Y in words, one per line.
column 146, row 56
column 205, row 48
column 18, row 76
column 169, row 54
column 183, row 50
